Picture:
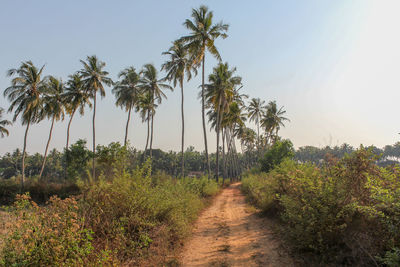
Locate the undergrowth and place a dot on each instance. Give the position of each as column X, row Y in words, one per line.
column 132, row 219
column 346, row 212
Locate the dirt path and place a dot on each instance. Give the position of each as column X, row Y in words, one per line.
column 229, row 234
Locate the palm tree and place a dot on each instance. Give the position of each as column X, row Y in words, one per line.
column 153, row 86
column 176, row 67
column 233, row 119
column 147, row 108
column 75, row 99
column 3, row 123
column 127, row 93
column 203, row 34
column 93, row 77
column 220, row 94
column 273, row 119
column 24, row 95
column 53, row 107
column 255, row 112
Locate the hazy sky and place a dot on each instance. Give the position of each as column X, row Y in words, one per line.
column 333, row 65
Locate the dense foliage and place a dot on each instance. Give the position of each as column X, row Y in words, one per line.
column 134, row 217
column 276, row 154
column 390, row 154
column 346, row 211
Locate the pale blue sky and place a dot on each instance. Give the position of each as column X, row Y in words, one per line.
column 334, row 65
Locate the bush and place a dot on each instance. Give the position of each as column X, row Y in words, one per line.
column 51, row 236
column 121, row 221
column 140, row 216
column 276, row 154
column 345, row 212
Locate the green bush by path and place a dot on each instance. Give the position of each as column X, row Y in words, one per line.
column 346, row 212
column 51, row 236
column 280, row 151
column 131, row 219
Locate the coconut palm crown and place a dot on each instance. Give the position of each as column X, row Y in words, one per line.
column 127, row 93
column 3, row 124
column 203, row 34
column 94, row 77
column 24, row 93
column 176, row 67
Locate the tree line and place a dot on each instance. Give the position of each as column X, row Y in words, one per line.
column 35, row 97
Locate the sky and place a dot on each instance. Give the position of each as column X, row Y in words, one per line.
column 333, row 65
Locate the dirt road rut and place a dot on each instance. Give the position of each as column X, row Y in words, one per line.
column 228, row 233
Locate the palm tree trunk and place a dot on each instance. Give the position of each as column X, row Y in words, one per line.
column 67, row 145
column 217, row 151
column 151, row 137
column 203, row 118
column 69, row 125
column 94, row 139
column 236, row 159
column 183, row 133
column 258, row 134
column 23, row 155
column 223, row 156
column 148, row 132
column 127, row 124
column 47, row 147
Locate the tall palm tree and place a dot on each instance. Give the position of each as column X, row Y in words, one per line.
column 24, row 95
column 220, row 94
column 233, row 119
column 273, row 119
column 127, row 93
column 203, row 34
column 94, row 78
column 255, row 112
column 75, row 99
column 3, row 123
column 179, row 64
column 151, row 84
column 53, row 107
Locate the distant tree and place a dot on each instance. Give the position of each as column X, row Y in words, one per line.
column 94, row 78
column 219, row 96
column 3, row 123
column 151, row 84
column 24, row 95
column 127, row 93
column 53, row 108
column 9, row 164
column 255, row 112
column 147, row 108
column 272, row 120
column 112, row 159
column 78, row 160
column 203, row 34
column 75, row 98
column 176, row 67
column 276, row 154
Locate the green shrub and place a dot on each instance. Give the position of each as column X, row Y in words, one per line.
column 276, row 154
column 121, row 221
column 346, row 212
column 261, row 191
column 134, row 213
column 50, row 236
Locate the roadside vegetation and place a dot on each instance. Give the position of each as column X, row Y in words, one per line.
column 343, row 212
column 127, row 219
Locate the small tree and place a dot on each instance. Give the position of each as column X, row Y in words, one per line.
column 274, row 156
